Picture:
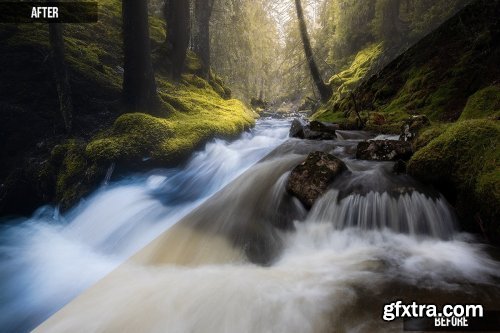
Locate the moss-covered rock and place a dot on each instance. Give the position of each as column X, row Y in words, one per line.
column 133, row 136
column 485, row 103
column 463, row 162
column 426, row 135
column 197, row 114
column 74, row 173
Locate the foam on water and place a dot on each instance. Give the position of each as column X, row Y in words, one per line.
column 324, row 281
column 47, row 260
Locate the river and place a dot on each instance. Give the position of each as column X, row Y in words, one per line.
column 219, row 246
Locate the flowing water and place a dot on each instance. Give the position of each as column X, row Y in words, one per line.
column 47, row 260
column 246, row 257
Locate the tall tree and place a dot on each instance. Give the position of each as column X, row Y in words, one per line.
column 61, row 74
column 139, row 86
column 177, row 16
column 323, row 89
column 203, row 12
column 387, row 21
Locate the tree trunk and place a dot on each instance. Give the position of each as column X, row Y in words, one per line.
column 324, row 90
column 177, row 15
column 390, row 22
column 203, row 11
column 61, row 74
column 139, row 86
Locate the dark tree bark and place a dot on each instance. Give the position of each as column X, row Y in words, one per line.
column 325, row 91
column 139, row 86
column 391, row 25
column 61, row 74
column 177, row 16
column 203, row 12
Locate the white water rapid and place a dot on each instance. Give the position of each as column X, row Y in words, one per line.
column 47, row 260
column 219, row 246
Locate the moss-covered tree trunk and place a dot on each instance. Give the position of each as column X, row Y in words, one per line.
column 177, row 15
column 61, row 74
column 203, row 12
column 323, row 89
column 139, row 86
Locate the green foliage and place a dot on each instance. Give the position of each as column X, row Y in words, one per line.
column 465, row 157
column 419, row 95
column 345, row 81
column 198, row 113
column 244, row 44
column 485, row 103
column 428, row 134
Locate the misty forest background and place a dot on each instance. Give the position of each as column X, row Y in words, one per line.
column 152, row 81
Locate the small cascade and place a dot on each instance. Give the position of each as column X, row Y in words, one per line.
column 411, row 213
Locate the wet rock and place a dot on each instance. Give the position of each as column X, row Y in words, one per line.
column 412, row 126
column 297, row 129
column 314, row 130
column 311, row 179
column 319, row 126
column 384, row 150
column 399, row 167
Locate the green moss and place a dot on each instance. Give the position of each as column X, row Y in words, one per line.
column 485, row 103
column 348, row 79
column 488, row 190
column 465, row 157
column 133, row 136
column 198, row 113
column 412, row 97
column 326, row 115
column 69, row 166
column 193, row 63
column 428, row 134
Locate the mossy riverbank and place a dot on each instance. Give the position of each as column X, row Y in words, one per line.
column 451, row 77
column 42, row 164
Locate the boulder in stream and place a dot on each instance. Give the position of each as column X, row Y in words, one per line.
column 297, row 128
column 384, row 150
column 311, row 179
column 315, row 130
